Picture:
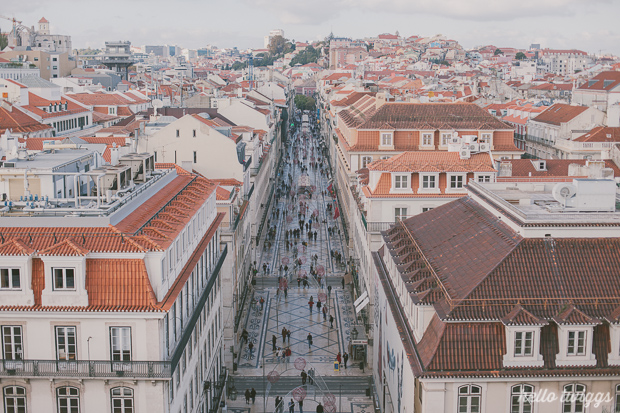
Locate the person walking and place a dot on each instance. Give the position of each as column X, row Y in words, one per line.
column 262, row 303
column 311, row 376
column 253, row 395
column 339, row 358
column 345, row 358
column 311, row 304
column 324, row 313
column 251, row 348
column 278, row 403
column 318, row 306
column 331, row 321
column 301, row 406
column 274, row 340
column 304, row 376
column 247, row 396
column 284, row 330
column 309, row 341
column 288, row 336
column 319, row 408
column 291, row 406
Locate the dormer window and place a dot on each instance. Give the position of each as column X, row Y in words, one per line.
column 576, row 343
column 64, row 278
column 401, row 182
column 523, row 343
column 10, row 279
column 387, row 140
column 485, row 138
column 426, row 139
column 445, row 139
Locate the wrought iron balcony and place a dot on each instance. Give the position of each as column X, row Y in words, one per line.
column 86, row 368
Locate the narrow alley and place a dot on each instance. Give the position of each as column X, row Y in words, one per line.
column 301, row 315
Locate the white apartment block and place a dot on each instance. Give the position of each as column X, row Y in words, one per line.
column 110, row 286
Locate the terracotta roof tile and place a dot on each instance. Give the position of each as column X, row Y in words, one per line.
column 560, row 113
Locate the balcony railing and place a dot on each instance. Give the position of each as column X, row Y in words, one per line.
column 379, row 226
column 86, row 368
column 570, row 146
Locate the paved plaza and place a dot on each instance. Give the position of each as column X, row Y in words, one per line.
column 270, row 309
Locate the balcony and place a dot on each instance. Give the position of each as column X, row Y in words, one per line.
column 85, row 368
column 379, row 226
column 572, row 146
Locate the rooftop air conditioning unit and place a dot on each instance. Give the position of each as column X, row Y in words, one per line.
column 485, row 147
column 474, row 147
column 465, row 153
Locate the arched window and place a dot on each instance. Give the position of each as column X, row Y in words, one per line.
column 122, row 400
column 573, row 398
column 68, row 399
column 469, row 398
column 14, row 399
column 521, row 398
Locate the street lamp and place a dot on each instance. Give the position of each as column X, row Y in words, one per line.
column 354, row 333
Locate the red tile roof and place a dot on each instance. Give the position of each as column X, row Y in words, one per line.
column 603, row 81
column 460, row 116
column 434, row 161
column 601, row 134
column 554, row 168
column 19, row 122
column 560, row 113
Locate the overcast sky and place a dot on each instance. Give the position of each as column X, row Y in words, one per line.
column 589, row 25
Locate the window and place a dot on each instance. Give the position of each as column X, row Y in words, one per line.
column 194, row 133
column 484, row 178
column 66, row 346
column 9, row 279
column 573, row 397
column 366, row 160
column 485, row 138
column 120, row 343
column 178, row 133
column 14, row 399
column 523, row 343
column 68, row 399
column 12, row 343
column 469, row 399
column 424, row 209
column 428, row 181
column 401, row 181
column 54, row 59
column 617, row 400
column 386, row 139
column 122, row 400
column 445, row 138
column 64, row 278
column 456, row 181
column 576, row 343
column 400, row 214
column 427, row 139
column 521, row 397
column 194, row 156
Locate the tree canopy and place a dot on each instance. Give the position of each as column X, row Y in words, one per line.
column 304, row 102
column 278, row 45
column 520, row 56
column 308, row 55
column 498, row 51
